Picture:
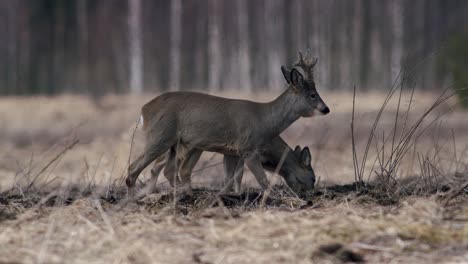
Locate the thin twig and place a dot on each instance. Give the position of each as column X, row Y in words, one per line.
column 95, row 171
column 278, row 167
column 396, row 119
column 67, row 148
column 353, row 142
column 122, row 177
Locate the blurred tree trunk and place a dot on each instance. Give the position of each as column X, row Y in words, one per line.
column 377, row 80
column 322, row 41
column 58, row 64
column 176, row 36
column 3, row 53
column 275, row 36
column 82, row 63
column 136, row 53
column 297, row 28
column 12, row 46
column 214, row 45
column 244, row 51
column 23, row 49
column 413, row 36
column 397, row 41
column 347, row 48
column 259, row 44
column 53, row 46
column 200, row 50
column 357, row 23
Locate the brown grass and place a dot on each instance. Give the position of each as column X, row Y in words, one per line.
column 76, row 209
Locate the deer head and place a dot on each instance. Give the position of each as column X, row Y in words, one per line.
column 301, row 177
column 311, row 101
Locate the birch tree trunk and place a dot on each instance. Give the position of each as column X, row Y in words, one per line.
column 200, row 50
column 59, row 69
column 244, row 52
column 376, row 52
column 297, row 16
column 397, row 42
column 136, row 52
column 24, row 48
column 275, row 35
column 321, row 41
column 82, row 72
column 356, row 32
column 12, row 43
column 3, row 45
column 342, row 67
column 214, row 46
column 176, row 35
column 414, row 38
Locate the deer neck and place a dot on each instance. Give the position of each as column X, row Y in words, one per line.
column 280, row 113
column 289, row 166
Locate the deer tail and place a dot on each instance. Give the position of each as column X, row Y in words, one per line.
column 143, row 121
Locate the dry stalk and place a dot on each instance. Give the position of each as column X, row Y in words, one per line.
column 130, row 152
column 407, row 139
column 266, row 193
column 67, row 148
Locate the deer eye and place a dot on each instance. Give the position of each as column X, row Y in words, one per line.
column 313, row 96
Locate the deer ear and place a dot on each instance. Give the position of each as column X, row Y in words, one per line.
column 297, row 151
column 296, row 78
column 286, row 74
column 306, row 158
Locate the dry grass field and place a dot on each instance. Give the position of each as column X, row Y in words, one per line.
column 62, row 200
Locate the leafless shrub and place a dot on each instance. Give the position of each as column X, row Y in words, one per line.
column 387, row 162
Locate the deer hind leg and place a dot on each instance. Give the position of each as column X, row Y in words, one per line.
column 151, row 152
column 186, row 169
column 172, row 168
column 159, row 164
column 254, row 164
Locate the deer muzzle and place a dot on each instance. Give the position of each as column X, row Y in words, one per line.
column 323, row 108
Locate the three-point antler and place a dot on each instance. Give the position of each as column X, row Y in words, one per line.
column 307, row 64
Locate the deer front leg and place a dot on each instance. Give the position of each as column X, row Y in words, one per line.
column 239, row 173
column 230, row 164
column 255, row 166
column 233, row 172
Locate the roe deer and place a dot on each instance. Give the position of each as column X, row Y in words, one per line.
column 295, row 169
column 199, row 122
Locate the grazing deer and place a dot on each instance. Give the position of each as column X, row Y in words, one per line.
column 197, row 122
column 295, row 169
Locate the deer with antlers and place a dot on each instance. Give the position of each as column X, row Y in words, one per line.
column 240, row 129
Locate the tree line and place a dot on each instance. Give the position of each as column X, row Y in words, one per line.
column 122, row 46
